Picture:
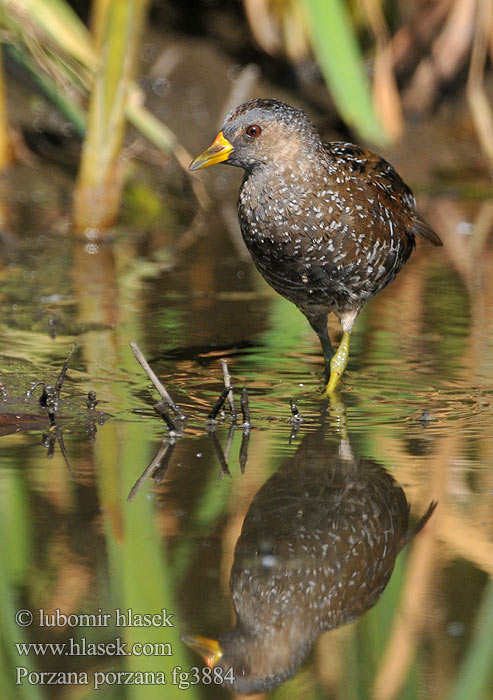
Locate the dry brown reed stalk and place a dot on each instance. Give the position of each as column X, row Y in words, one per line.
column 479, row 102
column 385, row 91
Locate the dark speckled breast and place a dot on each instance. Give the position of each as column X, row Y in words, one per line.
column 330, row 236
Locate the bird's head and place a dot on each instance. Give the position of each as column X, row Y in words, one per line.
column 261, row 132
column 251, row 663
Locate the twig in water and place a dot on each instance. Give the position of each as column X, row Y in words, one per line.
column 219, row 404
column 295, row 426
column 161, row 409
column 245, row 439
column 296, row 418
column 63, row 449
column 153, row 465
column 227, row 449
column 227, row 384
column 50, row 396
column 91, row 401
column 91, row 428
column 49, row 441
column 159, row 387
column 63, row 372
column 220, row 454
column 34, row 386
column 245, row 408
column 162, row 467
column 49, row 401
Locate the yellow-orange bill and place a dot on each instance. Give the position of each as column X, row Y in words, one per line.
column 208, row 649
column 216, row 153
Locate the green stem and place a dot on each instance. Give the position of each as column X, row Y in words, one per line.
column 336, row 48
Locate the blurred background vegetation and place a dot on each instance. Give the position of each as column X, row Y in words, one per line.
column 375, row 64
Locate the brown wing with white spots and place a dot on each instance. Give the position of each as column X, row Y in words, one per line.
column 377, row 218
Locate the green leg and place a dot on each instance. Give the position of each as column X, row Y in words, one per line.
column 338, row 364
column 329, row 354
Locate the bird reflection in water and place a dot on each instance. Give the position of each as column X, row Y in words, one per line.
column 316, row 550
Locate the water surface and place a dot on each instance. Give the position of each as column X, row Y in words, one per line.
column 416, row 400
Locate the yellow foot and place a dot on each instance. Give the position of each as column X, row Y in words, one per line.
column 338, row 364
column 338, row 413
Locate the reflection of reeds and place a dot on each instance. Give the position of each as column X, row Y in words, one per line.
column 462, row 532
column 475, row 673
column 4, row 133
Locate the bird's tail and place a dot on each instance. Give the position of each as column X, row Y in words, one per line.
column 423, row 520
column 421, row 228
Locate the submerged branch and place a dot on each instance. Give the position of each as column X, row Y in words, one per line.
column 155, row 464
column 245, row 408
column 228, row 385
column 159, row 387
column 161, row 409
column 219, row 403
column 63, row 372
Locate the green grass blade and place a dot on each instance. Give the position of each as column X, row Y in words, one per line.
column 476, row 672
column 67, row 106
column 336, row 48
column 16, row 557
column 59, row 22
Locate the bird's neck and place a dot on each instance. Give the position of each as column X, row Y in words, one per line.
column 268, row 652
column 276, row 176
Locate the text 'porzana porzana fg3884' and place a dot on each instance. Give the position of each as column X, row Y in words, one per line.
column 327, row 224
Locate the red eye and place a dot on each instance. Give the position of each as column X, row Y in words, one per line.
column 253, row 131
